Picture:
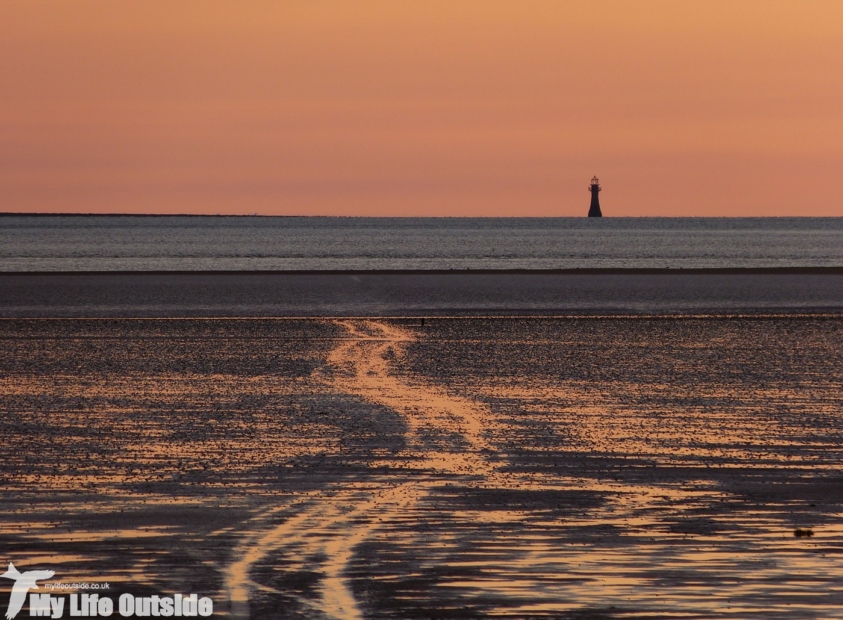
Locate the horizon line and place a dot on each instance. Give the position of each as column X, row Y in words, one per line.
column 441, row 217
column 836, row 270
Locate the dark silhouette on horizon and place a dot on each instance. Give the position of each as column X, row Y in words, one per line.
column 594, row 188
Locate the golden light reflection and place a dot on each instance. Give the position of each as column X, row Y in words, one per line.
column 519, row 494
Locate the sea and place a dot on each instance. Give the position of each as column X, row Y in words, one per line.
column 49, row 243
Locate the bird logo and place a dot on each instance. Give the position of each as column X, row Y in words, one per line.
column 23, row 583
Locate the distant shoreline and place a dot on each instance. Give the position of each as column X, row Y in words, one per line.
column 154, row 215
column 422, row 217
column 597, row 271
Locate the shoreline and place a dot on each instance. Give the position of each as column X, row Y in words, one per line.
column 441, row 272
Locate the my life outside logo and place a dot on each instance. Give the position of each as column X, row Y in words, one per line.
column 94, row 605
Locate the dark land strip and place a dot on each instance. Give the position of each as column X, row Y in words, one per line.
column 421, row 293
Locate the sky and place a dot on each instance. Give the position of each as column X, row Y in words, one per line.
column 422, row 108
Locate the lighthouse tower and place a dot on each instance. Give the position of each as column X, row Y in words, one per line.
column 594, row 188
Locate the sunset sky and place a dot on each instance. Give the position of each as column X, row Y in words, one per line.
column 480, row 108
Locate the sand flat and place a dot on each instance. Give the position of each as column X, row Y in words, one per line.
column 468, row 468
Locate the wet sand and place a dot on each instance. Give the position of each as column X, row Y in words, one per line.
column 473, row 467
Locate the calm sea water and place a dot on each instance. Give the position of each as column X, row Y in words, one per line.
column 118, row 243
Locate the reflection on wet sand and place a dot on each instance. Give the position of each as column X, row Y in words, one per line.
column 340, row 519
column 608, row 553
column 521, row 468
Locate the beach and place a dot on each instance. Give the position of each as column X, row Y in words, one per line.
column 421, row 310
column 639, row 463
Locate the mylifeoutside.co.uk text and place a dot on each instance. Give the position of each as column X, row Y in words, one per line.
column 94, row 605
column 77, row 586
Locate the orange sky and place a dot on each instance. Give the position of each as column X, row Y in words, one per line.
column 422, row 108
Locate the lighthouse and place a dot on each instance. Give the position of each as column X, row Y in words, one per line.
column 594, row 188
